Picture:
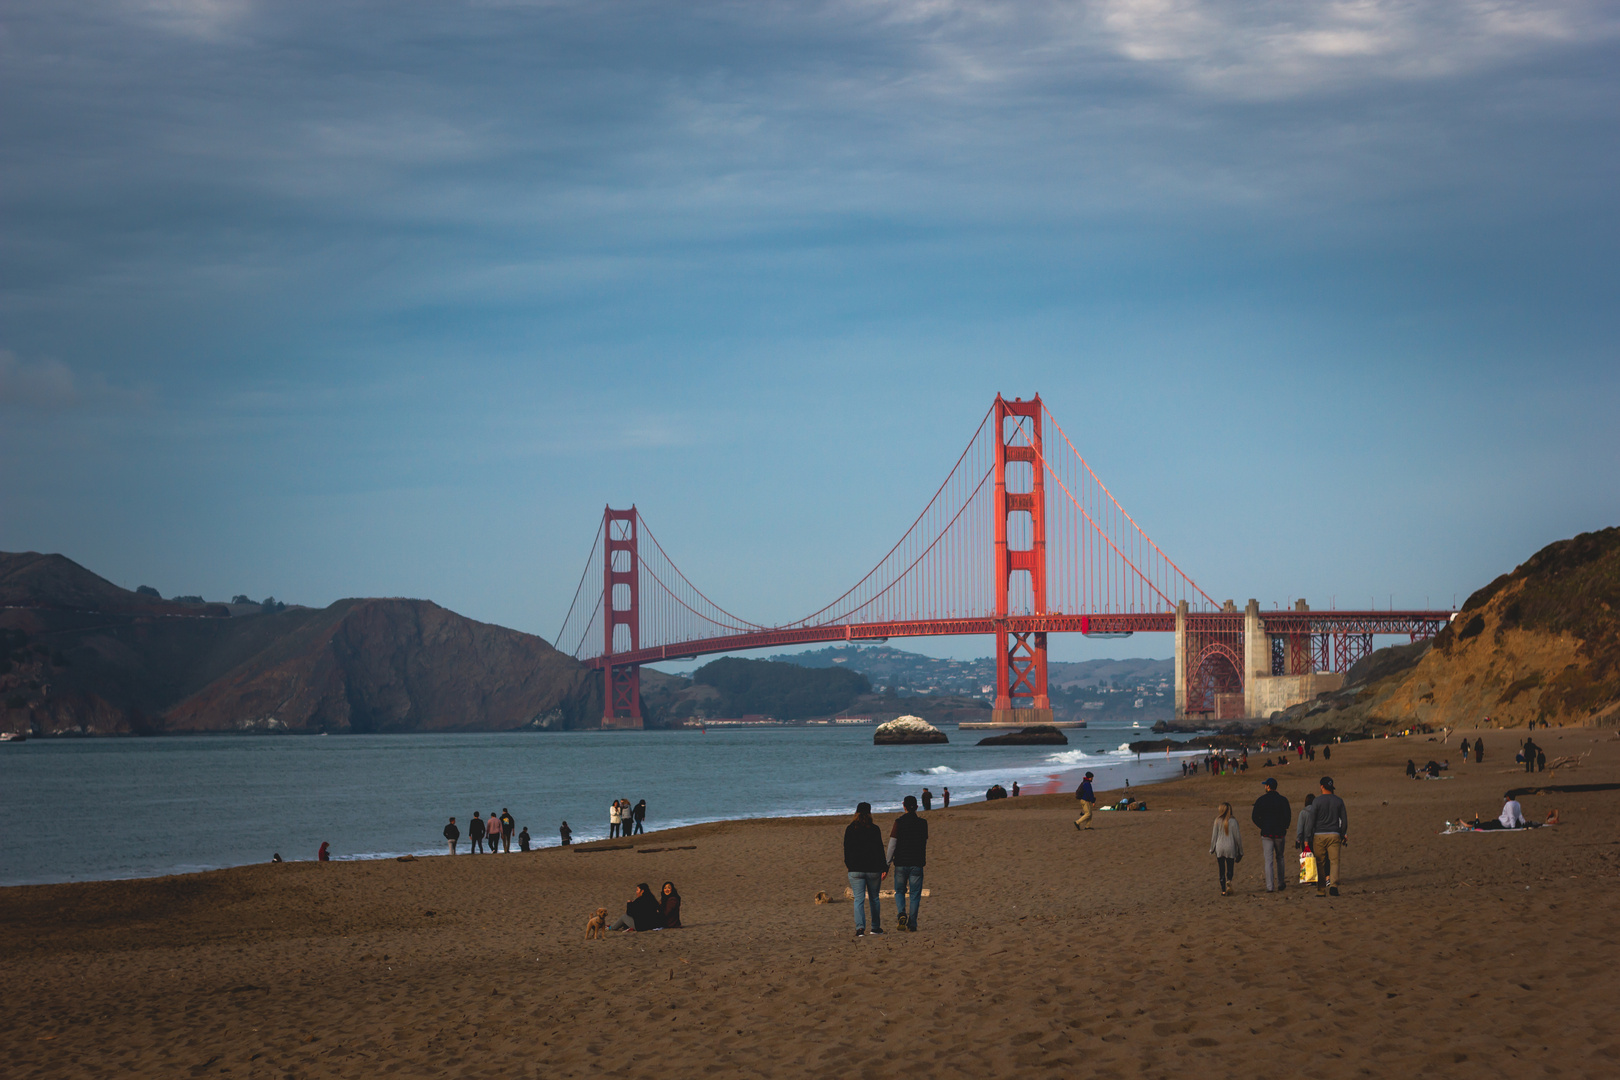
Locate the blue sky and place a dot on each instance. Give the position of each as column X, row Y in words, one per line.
column 331, row 299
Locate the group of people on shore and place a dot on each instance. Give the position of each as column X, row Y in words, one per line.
column 495, row 831
column 626, row 820
column 1321, row 832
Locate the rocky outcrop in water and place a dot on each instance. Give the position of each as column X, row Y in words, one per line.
column 1034, row 735
column 907, row 729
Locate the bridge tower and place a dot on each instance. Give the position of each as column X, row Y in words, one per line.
column 1021, row 692
column 621, row 606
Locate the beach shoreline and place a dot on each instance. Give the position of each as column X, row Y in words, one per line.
column 1039, row 948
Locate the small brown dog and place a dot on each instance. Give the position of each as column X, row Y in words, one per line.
column 597, row 926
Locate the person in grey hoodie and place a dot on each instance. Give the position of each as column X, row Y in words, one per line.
column 1329, row 828
column 1226, row 844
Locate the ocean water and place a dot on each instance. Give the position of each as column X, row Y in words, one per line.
column 94, row 809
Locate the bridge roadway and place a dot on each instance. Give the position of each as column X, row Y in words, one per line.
column 1413, row 624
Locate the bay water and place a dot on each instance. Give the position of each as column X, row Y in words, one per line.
column 95, row 809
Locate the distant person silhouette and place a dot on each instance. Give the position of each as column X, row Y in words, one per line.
column 452, row 834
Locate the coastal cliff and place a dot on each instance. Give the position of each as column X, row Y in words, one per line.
column 79, row 655
column 1541, row 643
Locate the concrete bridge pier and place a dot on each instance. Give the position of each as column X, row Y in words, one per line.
column 1231, row 668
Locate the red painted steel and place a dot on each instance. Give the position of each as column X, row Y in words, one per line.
column 1020, row 656
column 621, row 567
column 988, row 554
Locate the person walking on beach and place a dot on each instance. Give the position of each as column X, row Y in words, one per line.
column 945, row 799
column 452, row 834
column 908, row 851
column 1088, row 803
column 508, row 825
column 928, row 800
column 1226, row 844
column 523, row 839
column 475, row 833
column 1015, row 789
column 1329, row 828
column 492, row 832
column 867, row 867
column 640, row 815
column 566, row 833
column 1479, row 751
column 1272, row 816
column 1541, row 760
column 613, row 819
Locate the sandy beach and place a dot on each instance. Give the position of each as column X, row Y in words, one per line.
column 1041, row 949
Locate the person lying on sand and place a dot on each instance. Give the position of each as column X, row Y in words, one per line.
column 643, row 912
column 1512, row 817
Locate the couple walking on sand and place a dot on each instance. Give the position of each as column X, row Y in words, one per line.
column 868, row 863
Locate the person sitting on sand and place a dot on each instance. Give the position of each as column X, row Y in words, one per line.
column 641, row 913
column 670, row 907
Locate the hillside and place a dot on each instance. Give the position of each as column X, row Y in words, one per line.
column 1540, row 643
column 143, row 666
column 31, row 580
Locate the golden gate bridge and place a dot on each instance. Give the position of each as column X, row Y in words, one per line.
column 1020, row 541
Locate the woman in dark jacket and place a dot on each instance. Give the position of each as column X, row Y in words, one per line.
column 867, row 866
column 642, row 913
column 671, row 907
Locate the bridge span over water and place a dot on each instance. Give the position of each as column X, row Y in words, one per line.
column 1022, row 540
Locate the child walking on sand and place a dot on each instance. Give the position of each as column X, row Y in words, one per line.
column 1226, row 844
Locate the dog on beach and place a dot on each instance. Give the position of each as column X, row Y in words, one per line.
column 823, row 898
column 597, row 926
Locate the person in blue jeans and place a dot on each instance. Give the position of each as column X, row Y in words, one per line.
column 867, row 866
column 908, row 851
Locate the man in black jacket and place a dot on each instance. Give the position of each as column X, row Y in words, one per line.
column 1273, row 816
column 452, row 834
column 908, row 851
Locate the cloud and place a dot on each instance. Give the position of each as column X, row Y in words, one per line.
column 51, row 386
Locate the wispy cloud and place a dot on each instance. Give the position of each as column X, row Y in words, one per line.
column 51, row 386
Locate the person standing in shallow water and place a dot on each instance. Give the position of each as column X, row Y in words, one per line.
column 927, row 800
column 452, row 834
column 867, row 867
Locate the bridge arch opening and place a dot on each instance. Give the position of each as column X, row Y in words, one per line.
column 1215, row 689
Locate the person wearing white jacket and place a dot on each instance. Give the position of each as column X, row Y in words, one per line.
column 1226, row 844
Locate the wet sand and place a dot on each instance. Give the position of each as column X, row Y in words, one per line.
column 1041, row 951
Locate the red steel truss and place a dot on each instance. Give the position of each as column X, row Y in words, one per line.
column 989, row 554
